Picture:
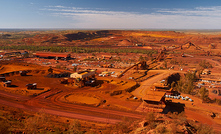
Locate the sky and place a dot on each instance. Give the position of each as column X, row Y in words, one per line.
column 110, row 14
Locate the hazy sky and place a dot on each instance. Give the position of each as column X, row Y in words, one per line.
column 111, row 14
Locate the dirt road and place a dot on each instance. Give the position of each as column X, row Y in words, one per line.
column 141, row 91
column 59, row 112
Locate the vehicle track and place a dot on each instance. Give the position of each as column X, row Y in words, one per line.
column 58, row 112
column 55, row 100
column 35, row 104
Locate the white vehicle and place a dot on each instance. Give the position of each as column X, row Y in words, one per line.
column 114, row 76
column 130, row 78
column 162, row 81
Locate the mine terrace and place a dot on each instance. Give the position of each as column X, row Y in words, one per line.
column 99, row 77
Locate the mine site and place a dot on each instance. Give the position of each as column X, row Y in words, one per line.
column 110, row 81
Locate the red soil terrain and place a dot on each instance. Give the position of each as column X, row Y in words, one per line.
column 183, row 51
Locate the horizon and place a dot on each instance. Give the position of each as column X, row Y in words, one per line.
column 63, row 29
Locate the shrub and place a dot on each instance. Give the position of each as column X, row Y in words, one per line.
column 160, row 129
column 204, row 93
column 116, row 93
column 152, row 125
column 205, row 64
column 74, row 127
column 204, row 129
column 36, row 123
column 150, row 117
column 124, row 126
column 4, row 127
column 173, row 129
column 218, row 101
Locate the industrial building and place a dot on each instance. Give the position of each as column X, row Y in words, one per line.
column 154, row 101
column 83, row 74
column 56, row 56
column 82, row 78
column 154, row 97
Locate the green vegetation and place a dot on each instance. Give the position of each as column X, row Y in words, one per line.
column 203, row 64
column 74, row 49
column 204, row 93
column 141, row 58
column 186, row 84
column 165, row 64
column 75, row 69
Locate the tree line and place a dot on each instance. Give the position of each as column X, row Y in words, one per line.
column 75, row 49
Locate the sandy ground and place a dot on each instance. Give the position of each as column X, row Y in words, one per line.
column 78, row 98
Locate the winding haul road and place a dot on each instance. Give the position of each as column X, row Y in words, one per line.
column 53, row 106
